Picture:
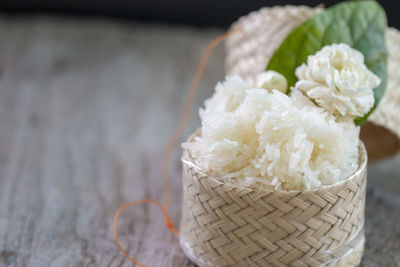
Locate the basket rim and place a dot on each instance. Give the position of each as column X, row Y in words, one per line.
column 319, row 7
column 363, row 160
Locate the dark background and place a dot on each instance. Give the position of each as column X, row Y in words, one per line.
column 193, row 12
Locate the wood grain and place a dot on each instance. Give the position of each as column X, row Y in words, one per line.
column 86, row 107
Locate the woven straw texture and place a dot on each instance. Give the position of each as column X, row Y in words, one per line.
column 262, row 32
column 226, row 225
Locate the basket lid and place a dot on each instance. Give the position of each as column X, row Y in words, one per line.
column 262, row 32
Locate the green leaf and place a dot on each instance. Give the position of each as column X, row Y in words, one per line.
column 360, row 24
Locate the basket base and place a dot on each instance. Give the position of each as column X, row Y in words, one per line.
column 190, row 253
column 352, row 259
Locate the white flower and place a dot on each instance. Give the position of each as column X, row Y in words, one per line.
column 337, row 79
column 271, row 140
column 271, row 80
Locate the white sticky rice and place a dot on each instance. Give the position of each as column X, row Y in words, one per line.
column 273, row 141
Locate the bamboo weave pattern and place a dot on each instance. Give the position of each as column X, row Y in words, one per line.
column 226, row 225
column 262, row 32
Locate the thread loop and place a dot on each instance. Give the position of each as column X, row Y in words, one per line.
column 171, row 143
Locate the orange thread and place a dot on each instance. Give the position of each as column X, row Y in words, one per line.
column 168, row 223
column 172, row 141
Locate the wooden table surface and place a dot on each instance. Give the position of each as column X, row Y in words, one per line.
column 86, row 107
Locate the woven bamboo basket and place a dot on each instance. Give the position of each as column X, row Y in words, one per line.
column 228, row 225
column 225, row 224
column 260, row 33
